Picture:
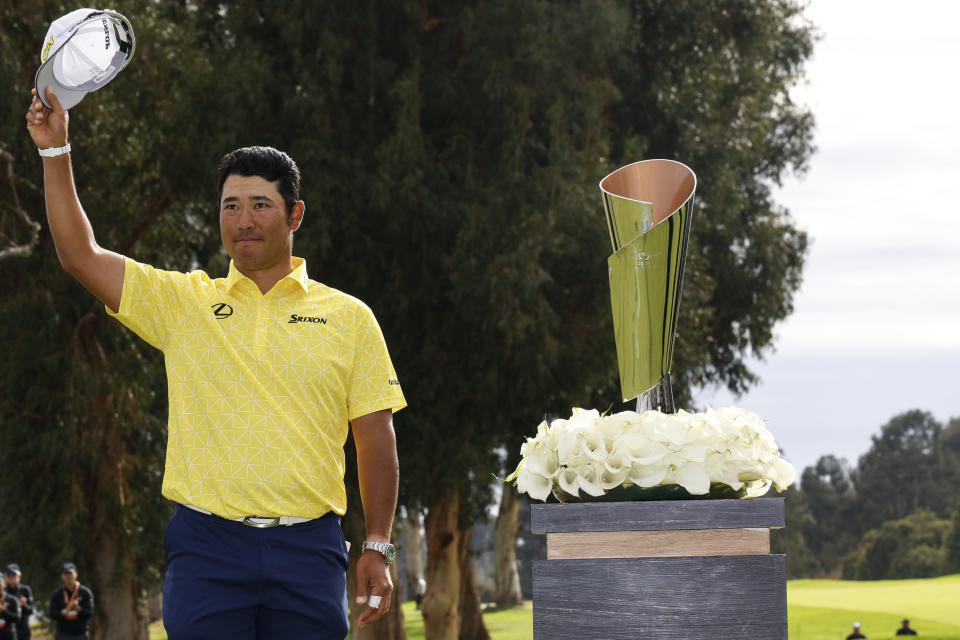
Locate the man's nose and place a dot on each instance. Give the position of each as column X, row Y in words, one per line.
column 246, row 219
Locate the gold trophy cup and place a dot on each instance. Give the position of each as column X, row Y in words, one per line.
column 648, row 205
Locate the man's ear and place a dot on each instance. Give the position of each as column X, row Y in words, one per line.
column 296, row 215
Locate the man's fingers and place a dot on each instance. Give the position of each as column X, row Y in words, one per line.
column 374, row 600
column 377, row 607
column 53, row 100
column 370, row 615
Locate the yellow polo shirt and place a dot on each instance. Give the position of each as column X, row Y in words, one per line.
column 261, row 387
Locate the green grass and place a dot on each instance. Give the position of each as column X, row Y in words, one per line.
column 826, row 609
column 508, row 624
column 816, row 610
column 511, row 624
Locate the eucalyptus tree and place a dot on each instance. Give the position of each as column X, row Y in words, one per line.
column 707, row 84
column 450, row 156
column 82, row 415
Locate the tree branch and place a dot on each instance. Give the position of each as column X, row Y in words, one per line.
column 12, row 249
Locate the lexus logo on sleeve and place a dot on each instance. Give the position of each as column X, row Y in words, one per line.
column 221, row 310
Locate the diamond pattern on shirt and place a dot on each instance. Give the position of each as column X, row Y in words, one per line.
column 261, row 387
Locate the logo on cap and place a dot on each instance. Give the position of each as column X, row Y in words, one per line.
column 46, row 50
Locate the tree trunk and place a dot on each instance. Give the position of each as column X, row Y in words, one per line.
column 441, row 603
column 471, row 611
column 413, row 554
column 506, row 576
column 115, row 589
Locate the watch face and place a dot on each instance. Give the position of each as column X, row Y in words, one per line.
column 388, row 550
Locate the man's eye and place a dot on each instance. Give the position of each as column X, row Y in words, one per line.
column 260, row 205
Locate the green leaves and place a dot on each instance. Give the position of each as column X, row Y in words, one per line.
column 451, row 154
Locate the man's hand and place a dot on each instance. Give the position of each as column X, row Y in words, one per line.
column 99, row 270
column 378, row 472
column 47, row 127
column 373, row 579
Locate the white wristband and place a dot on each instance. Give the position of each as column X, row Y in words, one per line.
column 53, row 152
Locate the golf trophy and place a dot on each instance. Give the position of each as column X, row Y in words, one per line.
column 664, row 568
column 648, row 206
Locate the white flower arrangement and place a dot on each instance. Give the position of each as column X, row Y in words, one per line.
column 696, row 451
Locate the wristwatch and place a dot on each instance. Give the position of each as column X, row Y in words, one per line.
column 388, row 550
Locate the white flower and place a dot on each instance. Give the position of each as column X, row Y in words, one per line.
column 782, row 474
column 594, row 446
column 542, row 460
column 611, row 479
column 534, row 485
column 594, row 454
column 617, row 460
column 614, row 426
column 568, row 437
column 757, row 489
column 569, row 481
column 693, row 478
column 645, row 476
column 590, row 476
column 674, row 428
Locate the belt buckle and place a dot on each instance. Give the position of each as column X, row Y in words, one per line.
column 251, row 521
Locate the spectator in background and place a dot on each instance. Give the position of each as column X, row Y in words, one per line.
column 421, row 589
column 853, row 636
column 71, row 606
column 9, row 614
column 24, row 595
column 905, row 630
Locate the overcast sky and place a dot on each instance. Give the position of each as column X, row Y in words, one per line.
column 875, row 327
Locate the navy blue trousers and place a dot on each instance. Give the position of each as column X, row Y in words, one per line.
column 229, row 581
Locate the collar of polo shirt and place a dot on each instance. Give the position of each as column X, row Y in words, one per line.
column 298, row 275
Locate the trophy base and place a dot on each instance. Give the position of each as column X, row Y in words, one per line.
column 657, row 398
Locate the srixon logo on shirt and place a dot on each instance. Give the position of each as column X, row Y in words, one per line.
column 294, row 319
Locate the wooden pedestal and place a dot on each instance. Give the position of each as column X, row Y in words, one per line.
column 664, row 569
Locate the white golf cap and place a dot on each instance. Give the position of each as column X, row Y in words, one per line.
column 83, row 51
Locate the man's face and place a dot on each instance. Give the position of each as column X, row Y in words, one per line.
column 13, row 579
column 253, row 223
column 69, row 578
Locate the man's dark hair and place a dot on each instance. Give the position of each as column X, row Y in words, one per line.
column 270, row 164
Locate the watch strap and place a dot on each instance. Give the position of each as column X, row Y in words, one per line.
column 385, row 548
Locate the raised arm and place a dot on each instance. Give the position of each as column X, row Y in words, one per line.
column 99, row 270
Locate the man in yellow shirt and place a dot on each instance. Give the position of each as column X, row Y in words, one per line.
column 266, row 368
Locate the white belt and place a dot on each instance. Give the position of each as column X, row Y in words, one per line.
column 260, row 522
